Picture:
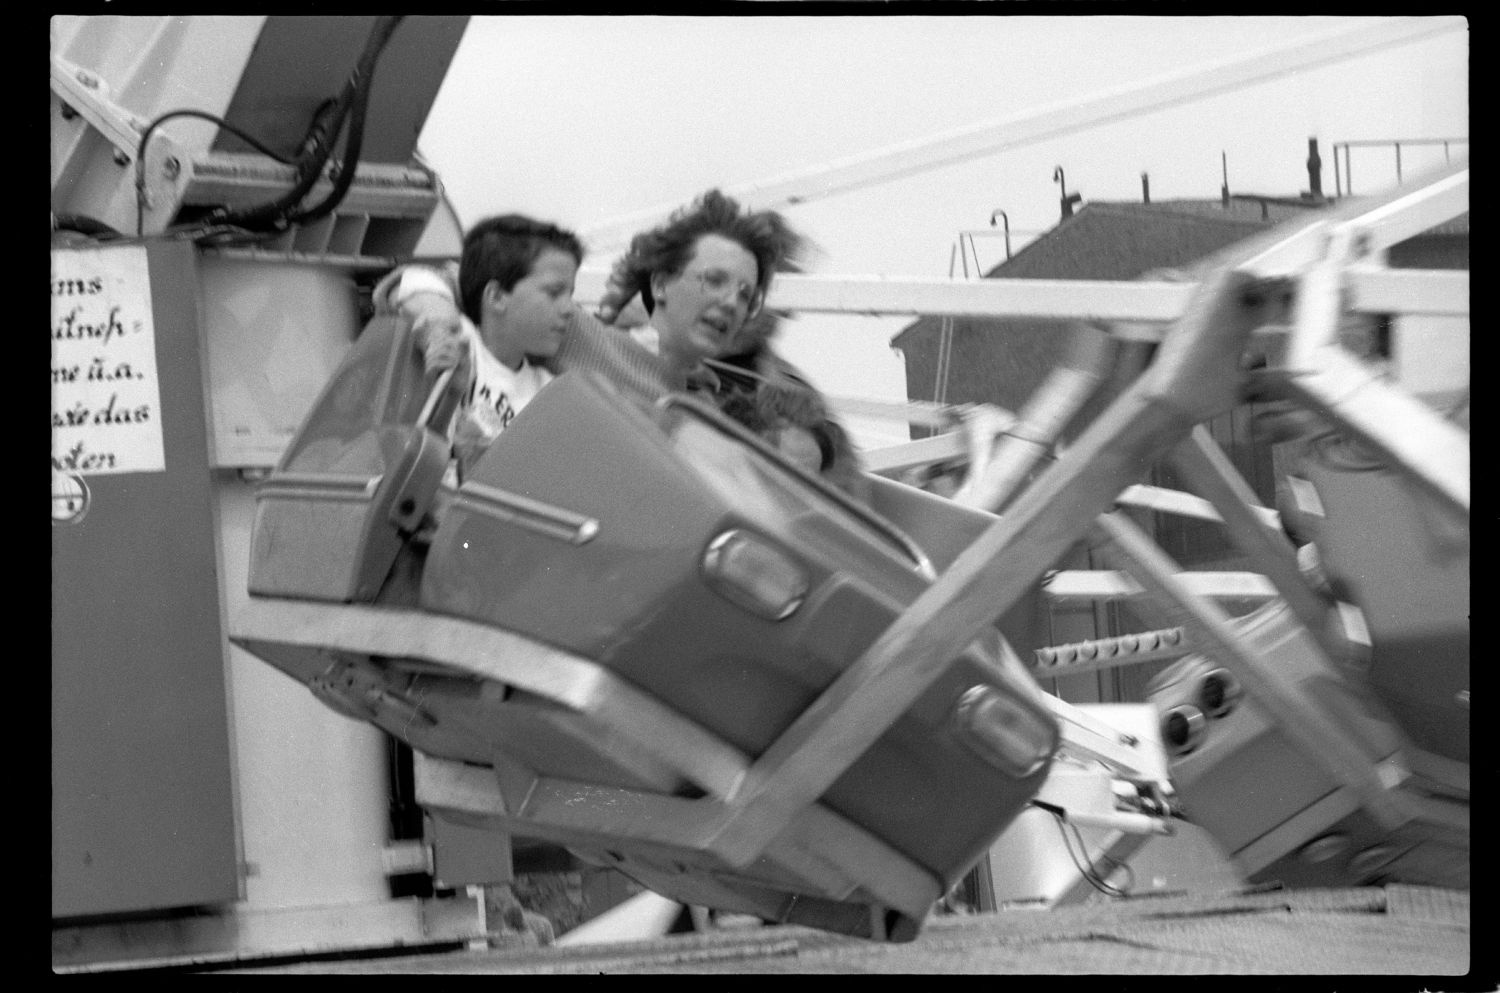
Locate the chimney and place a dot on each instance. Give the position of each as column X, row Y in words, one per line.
column 1314, row 170
column 1224, row 190
column 1068, row 199
column 1145, row 188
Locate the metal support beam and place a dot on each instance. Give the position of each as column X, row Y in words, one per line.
column 1104, row 584
column 992, row 482
column 1297, row 717
column 1378, row 222
column 1208, row 470
column 1416, row 441
column 1435, row 292
column 1146, row 301
column 1085, row 736
column 1051, row 121
column 922, row 413
column 1194, row 378
column 89, row 95
column 1186, row 504
column 1149, row 304
column 893, row 459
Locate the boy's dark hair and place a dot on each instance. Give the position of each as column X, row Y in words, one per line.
column 668, row 247
column 504, row 248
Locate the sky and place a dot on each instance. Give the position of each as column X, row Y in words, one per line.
column 585, row 119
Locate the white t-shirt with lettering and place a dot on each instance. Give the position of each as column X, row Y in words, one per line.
column 497, row 394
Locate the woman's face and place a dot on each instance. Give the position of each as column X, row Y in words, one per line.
column 701, row 309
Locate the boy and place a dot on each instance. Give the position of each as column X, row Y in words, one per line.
column 515, row 279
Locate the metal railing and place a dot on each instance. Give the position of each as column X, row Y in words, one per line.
column 1342, row 176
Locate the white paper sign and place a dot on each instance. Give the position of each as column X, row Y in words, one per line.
column 106, row 403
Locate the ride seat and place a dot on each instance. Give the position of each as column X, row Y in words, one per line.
column 1410, row 581
column 359, row 476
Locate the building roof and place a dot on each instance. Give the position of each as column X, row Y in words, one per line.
column 1108, row 240
column 1120, row 240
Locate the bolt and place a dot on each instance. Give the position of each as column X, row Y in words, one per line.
column 171, row 168
column 121, row 159
column 87, row 80
column 69, row 112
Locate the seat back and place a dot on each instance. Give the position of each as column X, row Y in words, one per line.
column 1397, row 557
column 1245, row 780
column 361, row 472
column 690, row 560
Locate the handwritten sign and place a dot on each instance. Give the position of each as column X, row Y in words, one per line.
column 106, row 402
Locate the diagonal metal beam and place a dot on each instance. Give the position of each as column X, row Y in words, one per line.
column 1416, row 442
column 1194, row 378
column 1211, row 630
column 1050, row 121
column 1149, row 304
column 1208, row 470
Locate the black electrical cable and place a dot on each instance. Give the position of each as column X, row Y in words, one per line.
column 1082, row 865
column 140, row 152
column 350, row 161
column 85, row 225
column 322, row 133
column 321, row 138
column 355, row 142
column 1105, row 856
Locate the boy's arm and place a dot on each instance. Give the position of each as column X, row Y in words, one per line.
column 426, row 297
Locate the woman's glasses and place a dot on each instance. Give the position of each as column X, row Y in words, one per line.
column 719, row 283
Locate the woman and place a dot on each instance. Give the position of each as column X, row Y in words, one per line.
column 702, row 276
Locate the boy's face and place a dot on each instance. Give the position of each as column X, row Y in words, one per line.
column 532, row 317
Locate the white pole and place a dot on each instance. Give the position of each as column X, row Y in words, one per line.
column 1049, row 121
column 644, row 916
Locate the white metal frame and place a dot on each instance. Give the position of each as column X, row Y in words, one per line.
column 1051, row 121
column 1152, row 303
column 1331, row 260
column 1317, row 257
